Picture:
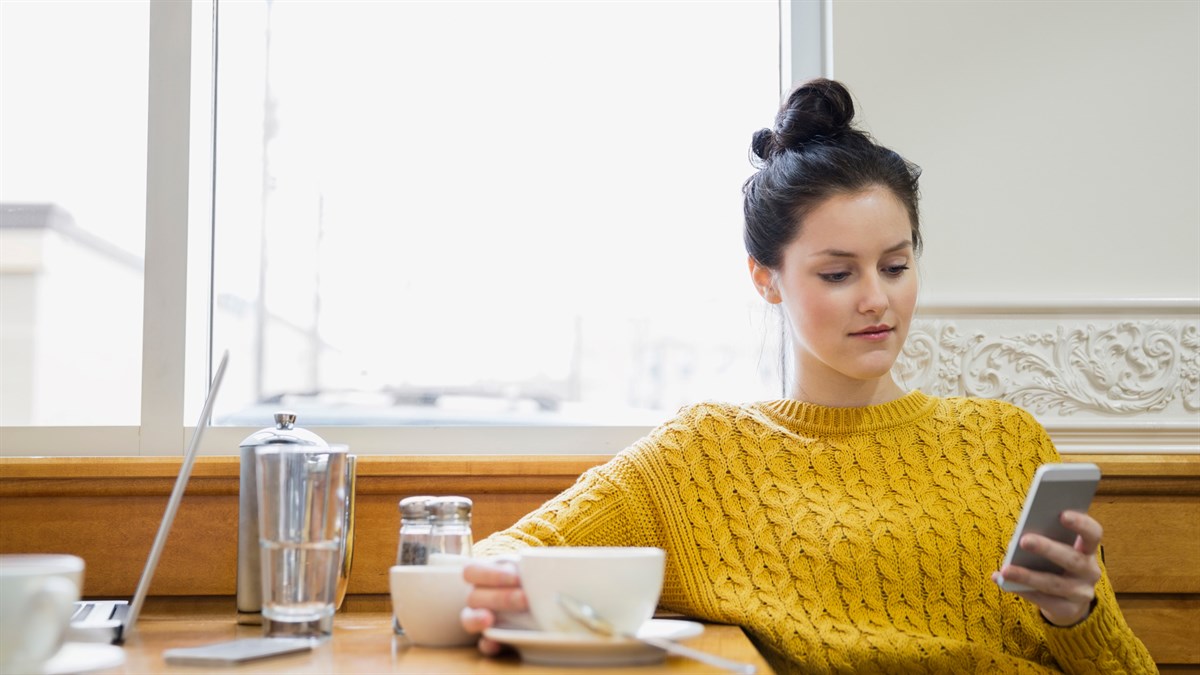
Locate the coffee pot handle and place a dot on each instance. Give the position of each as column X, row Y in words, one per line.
column 347, row 544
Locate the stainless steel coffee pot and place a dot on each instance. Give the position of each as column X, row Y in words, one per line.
column 249, row 570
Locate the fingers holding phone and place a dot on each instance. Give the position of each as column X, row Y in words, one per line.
column 1051, row 558
column 1064, row 597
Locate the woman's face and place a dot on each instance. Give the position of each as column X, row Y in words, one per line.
column 848, row 287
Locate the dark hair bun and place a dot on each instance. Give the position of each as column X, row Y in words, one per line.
column 818, row 110
column 813, row 153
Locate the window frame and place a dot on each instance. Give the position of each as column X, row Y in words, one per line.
column 177, row 300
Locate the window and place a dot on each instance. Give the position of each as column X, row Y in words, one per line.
column 468, row 218
column 488, row 213
column 72, row 207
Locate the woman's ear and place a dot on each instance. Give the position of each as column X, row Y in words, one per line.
column 764, row 280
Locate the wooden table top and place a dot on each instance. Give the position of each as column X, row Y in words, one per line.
column 363, row 642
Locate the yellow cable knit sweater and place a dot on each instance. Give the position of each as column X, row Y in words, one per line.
column 843, row 540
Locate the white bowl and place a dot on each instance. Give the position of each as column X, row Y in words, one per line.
column 428, row 600
column 621, row 584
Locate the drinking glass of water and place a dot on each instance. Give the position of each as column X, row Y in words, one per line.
column 301, row 509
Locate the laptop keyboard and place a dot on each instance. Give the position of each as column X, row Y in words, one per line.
column 87, row 612
column 82, row 610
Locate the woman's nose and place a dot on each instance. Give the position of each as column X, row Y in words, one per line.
column 874, row 299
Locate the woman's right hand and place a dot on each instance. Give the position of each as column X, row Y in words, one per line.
column 497, row 588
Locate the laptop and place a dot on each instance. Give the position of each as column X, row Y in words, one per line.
column 113, row 620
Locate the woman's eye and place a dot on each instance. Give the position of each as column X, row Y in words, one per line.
column 834, row 277
column 895, row 270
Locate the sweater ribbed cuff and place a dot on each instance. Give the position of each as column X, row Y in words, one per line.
column 1091, row 608
column 1086, row 640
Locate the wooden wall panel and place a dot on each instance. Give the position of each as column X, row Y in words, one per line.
column 1169, row 624
column 1151, row 542
column 107, row 510
column 114, row 534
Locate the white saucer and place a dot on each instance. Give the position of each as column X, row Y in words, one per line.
column 569, row 649
column 80, row 657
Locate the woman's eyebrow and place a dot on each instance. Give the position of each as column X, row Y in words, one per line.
column 838, row 253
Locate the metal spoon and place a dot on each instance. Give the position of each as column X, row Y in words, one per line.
column 584, row 614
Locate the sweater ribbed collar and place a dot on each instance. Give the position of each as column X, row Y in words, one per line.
column 809, row 418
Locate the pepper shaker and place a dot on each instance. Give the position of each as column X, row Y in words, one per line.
column 415, row 526
column 413, row 549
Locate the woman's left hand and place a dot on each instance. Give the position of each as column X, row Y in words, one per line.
column 1065, row 599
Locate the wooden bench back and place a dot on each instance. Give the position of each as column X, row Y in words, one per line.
column 107, row 510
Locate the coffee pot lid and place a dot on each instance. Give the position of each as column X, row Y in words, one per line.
column 285, row 431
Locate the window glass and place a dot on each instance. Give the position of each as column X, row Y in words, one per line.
column 72, row 205
column 488, row 212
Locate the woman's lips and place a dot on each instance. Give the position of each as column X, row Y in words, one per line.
column 873, row 333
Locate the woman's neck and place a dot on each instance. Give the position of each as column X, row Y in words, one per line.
column 855, row 394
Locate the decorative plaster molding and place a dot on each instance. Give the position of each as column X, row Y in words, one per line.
column 1165, row 438
column 1119, row 368
column 1120, row 385
column 1001, row 305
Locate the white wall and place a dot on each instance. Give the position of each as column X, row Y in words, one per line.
column 1060, row 143
column 1060, row 139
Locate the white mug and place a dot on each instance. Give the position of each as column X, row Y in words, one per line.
column 428, row 601
column 37, row 597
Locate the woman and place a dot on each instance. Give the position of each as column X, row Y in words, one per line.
column 853, row 527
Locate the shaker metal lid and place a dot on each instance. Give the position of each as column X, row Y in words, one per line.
column 451, row 508
column 415, row 508
column 284, row 431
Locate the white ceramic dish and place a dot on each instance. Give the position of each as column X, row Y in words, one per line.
column 81, row 657
column 621, row 583
column 570, row 649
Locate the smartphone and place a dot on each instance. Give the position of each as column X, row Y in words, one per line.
column 1056, row 488
column 234, row 652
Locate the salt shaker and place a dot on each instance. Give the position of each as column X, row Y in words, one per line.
column 451, row 531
